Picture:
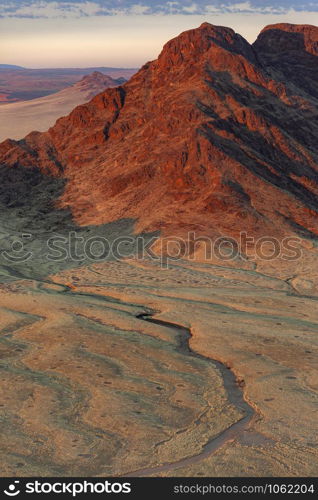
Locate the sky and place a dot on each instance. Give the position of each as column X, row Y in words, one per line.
column 125, row 33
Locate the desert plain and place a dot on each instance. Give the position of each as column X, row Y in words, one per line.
column 224, row 384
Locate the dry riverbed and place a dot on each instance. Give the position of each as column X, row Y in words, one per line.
column 223, row 383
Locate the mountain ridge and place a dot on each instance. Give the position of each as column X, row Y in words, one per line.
column 209, row 136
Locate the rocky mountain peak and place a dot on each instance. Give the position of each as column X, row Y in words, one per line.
column 200, row 45
column 97, row 78
column 285, row 37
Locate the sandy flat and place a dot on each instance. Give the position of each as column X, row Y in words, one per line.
column 98, row 390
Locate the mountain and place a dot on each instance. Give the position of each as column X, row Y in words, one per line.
column 290, row 52
column 18, row 119
column 10, row 66
column 216, row 135
column 25, row 84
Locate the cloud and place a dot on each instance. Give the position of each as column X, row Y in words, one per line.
column 77, row 8
column 139, row 9
column 191, row 9
column 248, row 8
column 240, row 7
column 42, row 9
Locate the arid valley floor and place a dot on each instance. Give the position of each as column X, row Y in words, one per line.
column 90, row 388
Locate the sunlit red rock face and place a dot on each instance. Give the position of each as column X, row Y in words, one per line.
column 215, row 135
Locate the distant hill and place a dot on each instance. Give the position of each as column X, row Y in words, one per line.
column 10, row 66
column 23, row 84
column 19, row 118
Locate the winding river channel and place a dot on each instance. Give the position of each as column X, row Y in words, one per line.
column 235, row 395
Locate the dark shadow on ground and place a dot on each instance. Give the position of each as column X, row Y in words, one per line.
column 51, row 240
